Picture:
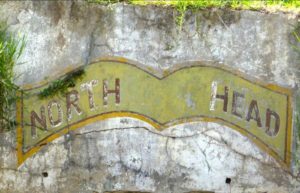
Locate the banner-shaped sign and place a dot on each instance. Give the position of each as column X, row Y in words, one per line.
column 109, row 88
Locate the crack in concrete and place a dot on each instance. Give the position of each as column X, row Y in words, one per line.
column 139, row 127
column 222, row 142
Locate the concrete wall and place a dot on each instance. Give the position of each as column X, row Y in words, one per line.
column 127, row 154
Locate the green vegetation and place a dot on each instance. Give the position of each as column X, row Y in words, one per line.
column 61, row 86
column 236, row 4
column 183, row 5
column 201, row 4
column 10, row 50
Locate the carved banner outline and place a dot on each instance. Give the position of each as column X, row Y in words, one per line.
column 285, row 162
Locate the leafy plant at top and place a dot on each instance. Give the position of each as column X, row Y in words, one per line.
column 60, row 86
column 244, row 4
column 182, row 5
column 181, row 8
column 10, row 50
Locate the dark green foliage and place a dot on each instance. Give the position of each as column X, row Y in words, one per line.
column 60, row 86
column 10, row 51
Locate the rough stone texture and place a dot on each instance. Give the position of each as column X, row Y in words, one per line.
column 126, row 154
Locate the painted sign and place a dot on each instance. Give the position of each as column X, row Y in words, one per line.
column 113, row 88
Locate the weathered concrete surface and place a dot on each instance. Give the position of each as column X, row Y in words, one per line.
column 125, row 154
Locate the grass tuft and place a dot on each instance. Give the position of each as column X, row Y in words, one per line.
column 10, row 50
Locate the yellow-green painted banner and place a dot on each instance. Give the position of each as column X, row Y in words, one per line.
column 114, row 88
